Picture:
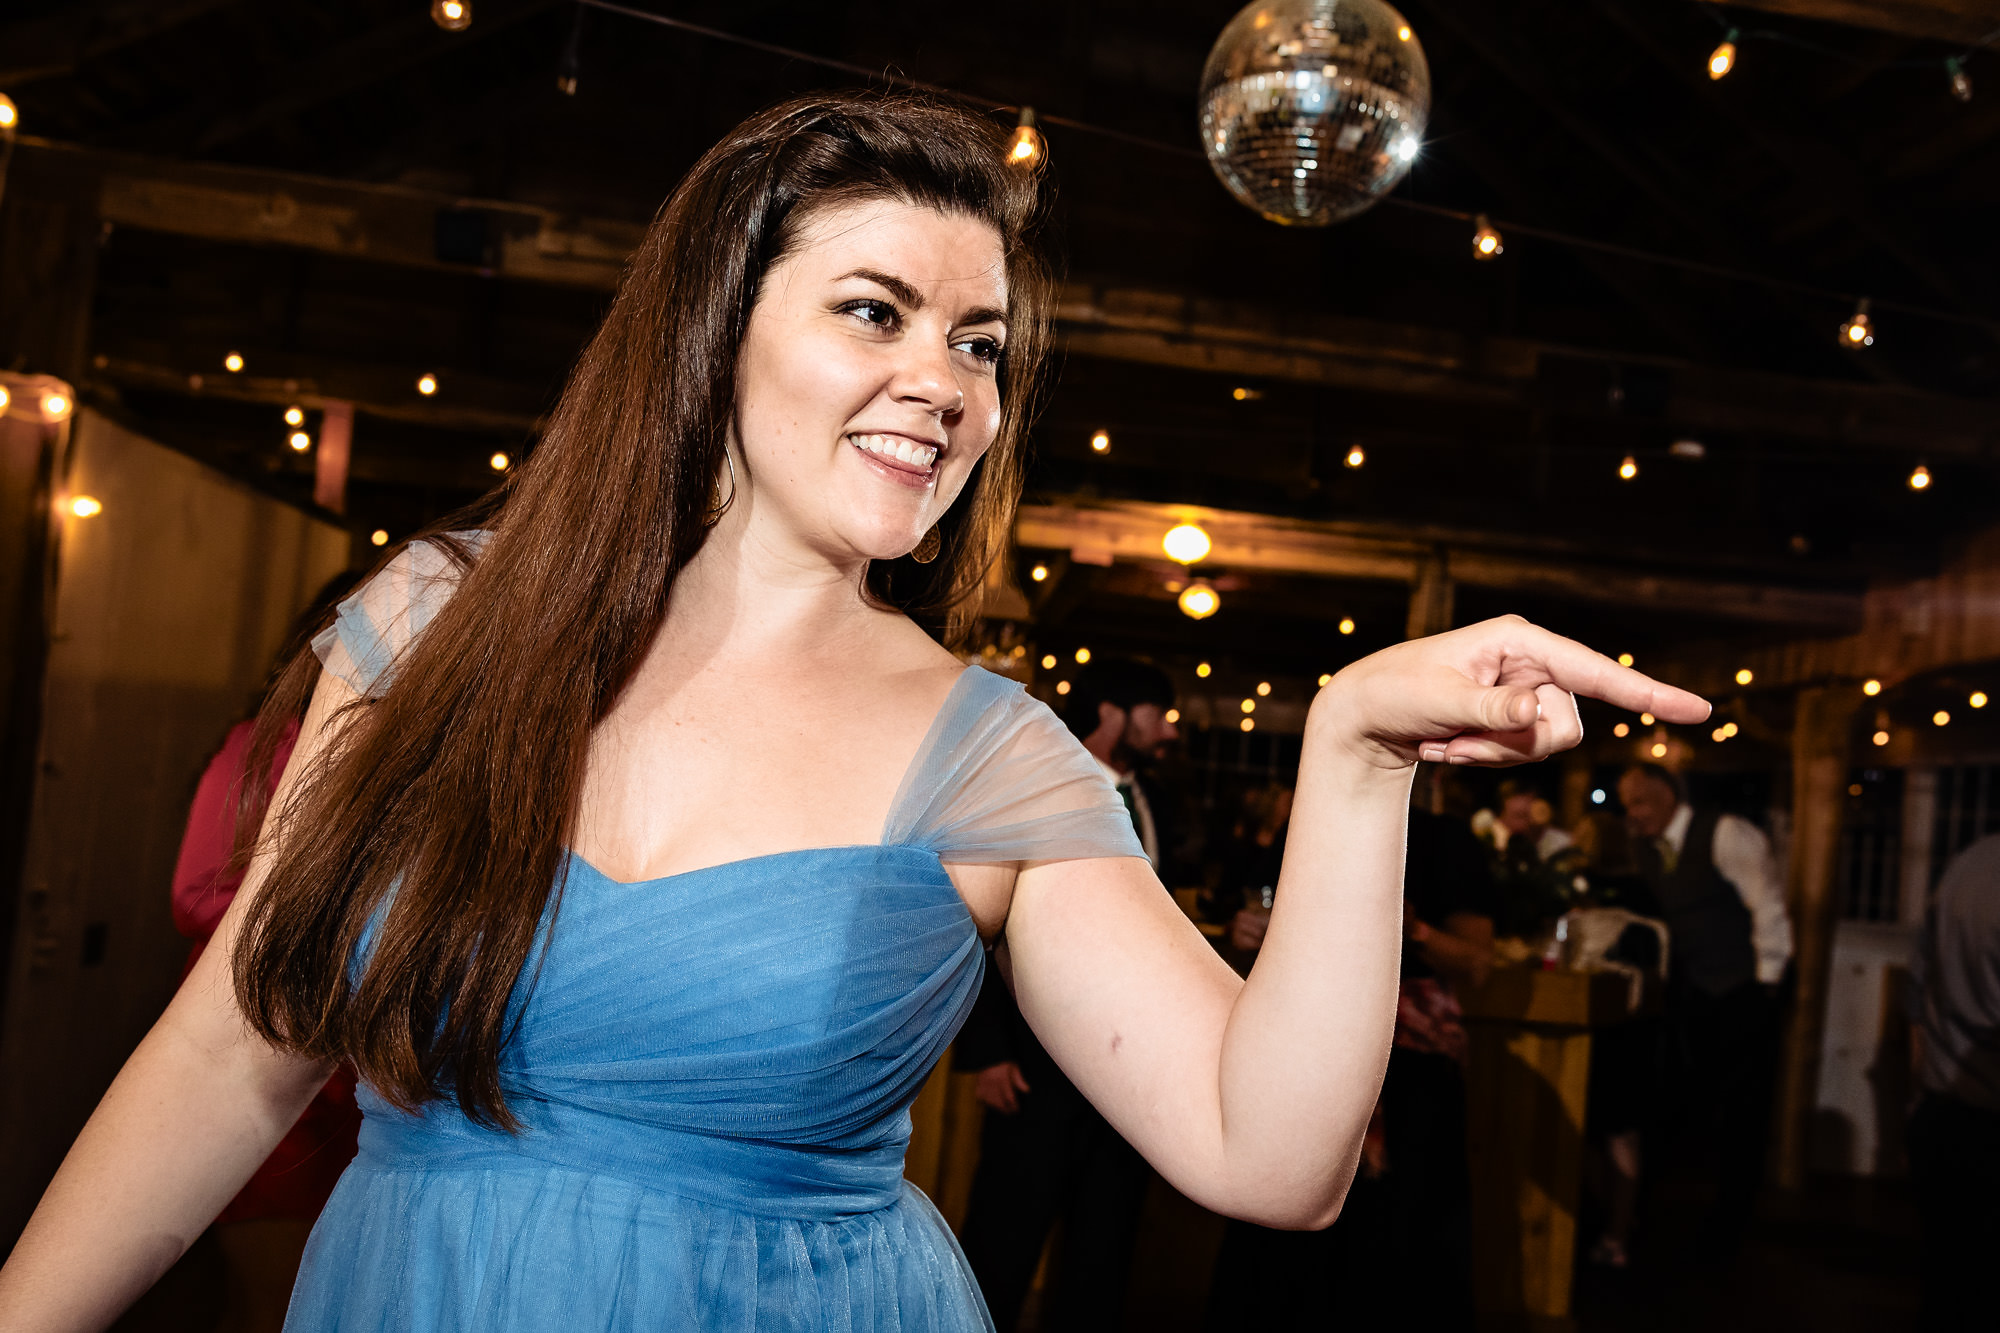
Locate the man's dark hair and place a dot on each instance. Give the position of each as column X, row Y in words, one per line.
column 1122, row 682
column 1664, row 775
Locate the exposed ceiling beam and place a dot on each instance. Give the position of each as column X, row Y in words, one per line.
column 1130, row 531
column 55, row 44
column 1957, row 21
column 398, row 225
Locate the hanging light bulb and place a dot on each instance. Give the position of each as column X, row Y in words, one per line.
column 1025, row 148
column 427, row 385
column 1624, row 659
column 1629, row 468
column 55, row 405
column 1083, row 657
column 295, row 416
column 1745, row 675
column 1263, row 689
column 1961, row 82
column 1356, row 456
column 1346, row 625
column 379, row 537
column 1978, row 699
column 1940, row 718
column 1871, row 687
column 300, row 441
column 499, row 462
column 1723, row 58
column 85, row 506
column 1248, row 724
column 10, row 116
column 452, row 15
column 1186, row 543
column 1485, row 241
column 1859, row 330
column 1199, row 601
column 1101, row 442
column 1622, row 730
column 1248, row 705
column 1039, row 573
column 1880, row 738
column 1203, row 670
column 5, row 399
column 1920, row 480
column 233, row 363
column 572, row 56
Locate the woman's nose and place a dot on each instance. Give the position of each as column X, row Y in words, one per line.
column 925, row 375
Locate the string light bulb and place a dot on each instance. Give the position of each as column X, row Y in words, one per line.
column 300, row 441
column 1100, row 443
column 1248, row 724
column 1744, row 675
column 1723, row 58
column 233, row 363
column 295, row 416
column 1263, row 689
column 1940, row 718
column 1957, row 79
column 379, row 537
column 10, row 116
column 1622, row 730
column 1486, row 243
column 5, row 399
column 1659, row 750
column 427, row 385
column 499, row 462
column 1920, row 479
column 1356, row 456
column 1203, row 670
column 452, row 15
column 1646, row 719
column 1325, row 679
column 1062, row 687
column 56, row 405
column 1048, row 661
column 1199, row 601
column 1628, row 469
column 1083, row 657
column 1025, row 149
column 1347, row 624
column 1859, row 330
column 1040, row 573
column 1249, row 705
column 1880, row 738
column 1624, row 659
column 1186, row 543
column 86, row 506
column 1871, row 687
column 1978, row 699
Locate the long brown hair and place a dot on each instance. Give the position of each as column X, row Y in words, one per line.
column 444, row 805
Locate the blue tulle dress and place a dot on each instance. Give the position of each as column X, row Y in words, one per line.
column 714, row 1069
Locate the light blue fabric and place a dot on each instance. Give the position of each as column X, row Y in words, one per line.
column 714, row 1071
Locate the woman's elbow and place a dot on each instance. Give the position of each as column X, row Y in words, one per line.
column 1306, row 1210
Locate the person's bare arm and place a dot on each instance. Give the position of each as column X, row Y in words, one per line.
column 1252, row 1097
column 195, row 1110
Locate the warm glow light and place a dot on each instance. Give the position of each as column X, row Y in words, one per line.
column 452, row 15
column 1248, row 724
column 1880, row 738
column 1101, row 442
column 1403, row 34
column 1859, row 330
column 1025, row 148
column 1202, row 669
column 85, row 506
column 10, row 116
column 1624, row 659
column 1356, row 456
column 1659, row 750
column 1249, row 705
column 1730, row 729
column 1745, row 675
column 1198, row 601
column 379, row 537
column 1325, row 679
column 56, row 406
column 1958, row 80
column 1920, row 479
column 1062, row 687
column 1978, row 699
column 233, row 362
column 1871, row 688
column 295, row 416
column 1629, row 468
column 1048, row 661
column 1723, row 58
column 499, row 462
column 1346, row 625
column 1173, row 716
column 1486, row 241
column 1622, row 730
column 1854, row 789
column 1039, row 573
column 1718, row 735
column 427, row 385
column 1082, row 656
column 1244, row 394
column 1186, row 543
column 1940, row 718
column 1645, row 719
column 300, row 441
column 5, row 398
column 1263, row 689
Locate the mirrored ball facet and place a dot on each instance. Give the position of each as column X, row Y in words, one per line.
column 1311, row 110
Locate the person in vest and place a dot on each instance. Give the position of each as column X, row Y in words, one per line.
column 1717, row 887
column 1045, row 1153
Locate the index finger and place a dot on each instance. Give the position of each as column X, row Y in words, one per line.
column 1580, row 670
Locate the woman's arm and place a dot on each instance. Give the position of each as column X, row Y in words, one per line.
column 1252, row 1096
column 198, row 1106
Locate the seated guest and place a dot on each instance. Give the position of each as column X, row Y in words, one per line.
column 1955, row 1132
column 1045, row 1153
column 1525, row 828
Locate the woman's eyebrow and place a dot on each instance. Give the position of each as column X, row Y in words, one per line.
column 914, row 299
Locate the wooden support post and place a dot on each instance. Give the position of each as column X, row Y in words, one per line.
column 1823, row 719
column 1430, row 598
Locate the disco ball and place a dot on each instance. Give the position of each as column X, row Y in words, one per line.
column 1311, row 110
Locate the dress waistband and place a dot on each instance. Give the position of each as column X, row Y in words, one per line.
column 800, row 1181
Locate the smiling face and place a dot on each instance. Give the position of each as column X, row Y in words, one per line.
column 868, row 382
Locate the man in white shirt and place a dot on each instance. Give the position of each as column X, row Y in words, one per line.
column 1716, row 885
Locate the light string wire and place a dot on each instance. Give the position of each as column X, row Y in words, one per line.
column 1635, row 253
column 1778, row 38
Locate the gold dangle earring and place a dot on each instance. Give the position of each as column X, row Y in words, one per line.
column 927, row 547
column 718, row 504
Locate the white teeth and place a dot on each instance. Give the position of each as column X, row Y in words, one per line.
column 890, row 446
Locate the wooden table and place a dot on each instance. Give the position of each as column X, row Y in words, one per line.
column 1527, row 1077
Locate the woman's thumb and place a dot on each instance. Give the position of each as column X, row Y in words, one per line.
column 1503, row 708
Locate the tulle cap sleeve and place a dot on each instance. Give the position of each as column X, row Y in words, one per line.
column 1001, row 779
column 384, row 615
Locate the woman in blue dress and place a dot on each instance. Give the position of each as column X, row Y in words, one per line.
column 643, row 847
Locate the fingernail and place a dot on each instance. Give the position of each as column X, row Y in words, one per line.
column 1431, row 753
column 1458, row 759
